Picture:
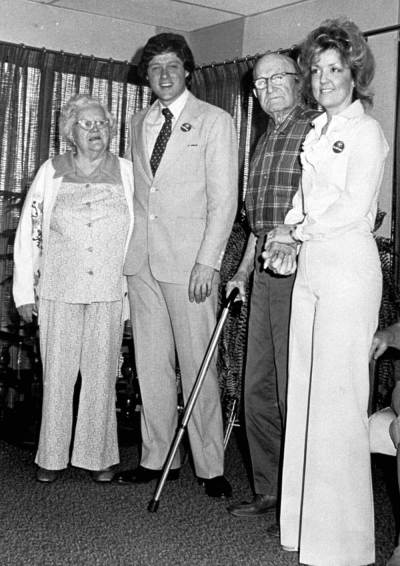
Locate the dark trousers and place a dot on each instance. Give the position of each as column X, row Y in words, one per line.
column 266, row 376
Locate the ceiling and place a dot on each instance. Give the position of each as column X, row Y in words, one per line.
column 180, row 15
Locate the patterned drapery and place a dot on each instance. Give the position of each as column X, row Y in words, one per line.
column 229, row 86
column 34, row 85
column 19, row 147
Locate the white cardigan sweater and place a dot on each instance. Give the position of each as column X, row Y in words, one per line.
column 30, row 245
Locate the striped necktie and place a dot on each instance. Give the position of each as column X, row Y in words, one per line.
column 162, row 140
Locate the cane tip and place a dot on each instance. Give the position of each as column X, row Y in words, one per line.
column 153, row 506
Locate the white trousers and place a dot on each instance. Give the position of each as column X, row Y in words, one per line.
column 327, row 506
column 85, row 338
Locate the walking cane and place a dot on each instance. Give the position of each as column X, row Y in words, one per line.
column 154, row 503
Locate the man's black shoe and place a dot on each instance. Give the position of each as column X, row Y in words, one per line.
column 143, row 475
column 216, row 487
column 259, row 505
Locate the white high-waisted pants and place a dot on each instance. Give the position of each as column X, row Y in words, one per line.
column 327, row 505
column 85, row 337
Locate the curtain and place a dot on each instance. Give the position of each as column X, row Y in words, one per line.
column 387, row 368
column 229, row 86
column 34, row 85
column 105, row 80
column 396, row 184
column 19, row 145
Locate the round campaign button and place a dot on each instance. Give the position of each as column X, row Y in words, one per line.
column 338, row 147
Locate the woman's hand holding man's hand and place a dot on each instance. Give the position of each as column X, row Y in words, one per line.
column 280, row 258
column 280, row 250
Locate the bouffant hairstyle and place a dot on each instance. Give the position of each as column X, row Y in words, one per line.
column 166, row 43
column 345, row 37
column 69, row 114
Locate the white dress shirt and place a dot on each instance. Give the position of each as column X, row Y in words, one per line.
column 342, row 174
column 155, row 119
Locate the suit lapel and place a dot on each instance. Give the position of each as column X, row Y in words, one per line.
column 141, row 143
column 187, row 121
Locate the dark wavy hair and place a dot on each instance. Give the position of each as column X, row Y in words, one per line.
column 345, row 37
column 166, row 43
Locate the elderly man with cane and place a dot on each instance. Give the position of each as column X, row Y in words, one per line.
column 274, row 178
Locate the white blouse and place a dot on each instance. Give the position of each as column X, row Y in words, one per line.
column 342, row 174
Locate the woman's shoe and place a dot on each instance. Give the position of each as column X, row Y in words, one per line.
column 46, row 476
column 102, row 476
column 289, row 548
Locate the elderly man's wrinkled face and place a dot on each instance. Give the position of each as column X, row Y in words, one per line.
column 167, row 77
column 280, row 92
column 91, row 132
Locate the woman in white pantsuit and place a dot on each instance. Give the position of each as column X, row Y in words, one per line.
column 69, row 251
column 327, row 505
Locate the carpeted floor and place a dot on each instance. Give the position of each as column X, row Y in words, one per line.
column 79, row 523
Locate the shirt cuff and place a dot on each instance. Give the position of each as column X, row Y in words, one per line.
column 298, row 234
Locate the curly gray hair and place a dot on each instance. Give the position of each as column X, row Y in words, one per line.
column 69, row 114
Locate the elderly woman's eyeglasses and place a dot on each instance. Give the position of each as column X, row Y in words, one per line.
column 91, row 124
column 277, row 79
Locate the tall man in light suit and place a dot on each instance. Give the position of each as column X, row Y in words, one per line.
column 185, row 169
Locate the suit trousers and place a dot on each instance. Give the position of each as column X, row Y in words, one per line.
column 266, row 376
column 85, row 338
column 164, row 321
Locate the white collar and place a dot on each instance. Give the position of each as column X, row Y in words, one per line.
column 177, row 105
column 354, row 110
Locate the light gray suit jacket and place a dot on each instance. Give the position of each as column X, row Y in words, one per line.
column 184, row 214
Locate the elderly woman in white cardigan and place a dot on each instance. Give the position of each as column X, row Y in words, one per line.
column 68, row 255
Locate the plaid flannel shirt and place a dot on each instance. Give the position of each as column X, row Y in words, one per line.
column 275, row 170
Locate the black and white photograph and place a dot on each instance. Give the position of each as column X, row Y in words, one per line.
column 199, row 283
